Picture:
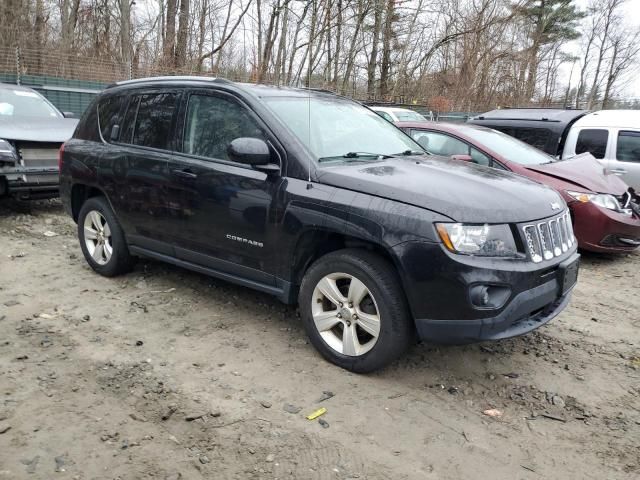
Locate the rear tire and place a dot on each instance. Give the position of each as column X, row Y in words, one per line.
column 102, row 239
column 354, row 310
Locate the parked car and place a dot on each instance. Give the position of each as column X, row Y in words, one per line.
column 397, row 114
column 604, row 210
column 31, row 132
column 317, row 200
column 611, row 136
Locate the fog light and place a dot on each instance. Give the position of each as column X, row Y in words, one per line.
column 480, row 296
column 489, row 296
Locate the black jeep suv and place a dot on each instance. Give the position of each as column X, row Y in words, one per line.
column 316, row 199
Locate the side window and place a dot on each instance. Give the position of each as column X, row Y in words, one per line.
column 126, row 129
column 384, row 115
column 628, row 149
column 87, row 128
column 480, row 158
column 109, row 115
column 593, row 141
column 536, row 137
column 154, row 120
column 439, row 143
column 213, row 122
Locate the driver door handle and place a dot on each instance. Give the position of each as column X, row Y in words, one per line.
column 184, row 173
column 618, row 171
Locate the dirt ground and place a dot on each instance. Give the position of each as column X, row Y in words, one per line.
column 168, row 374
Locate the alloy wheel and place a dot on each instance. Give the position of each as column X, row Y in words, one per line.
column 97, row 237
column 345, row 314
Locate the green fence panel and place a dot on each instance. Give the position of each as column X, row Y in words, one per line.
column 66, row 94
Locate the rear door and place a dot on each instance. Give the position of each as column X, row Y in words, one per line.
column 226, row 210
column 141, row 173
column 625, row 157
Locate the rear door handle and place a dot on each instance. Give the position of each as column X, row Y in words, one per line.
column 184, row 173
column 618, row 171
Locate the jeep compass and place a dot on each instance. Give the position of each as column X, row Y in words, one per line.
column 317, row 200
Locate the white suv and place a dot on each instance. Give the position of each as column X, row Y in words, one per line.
column 611, row 136
column 394, row 114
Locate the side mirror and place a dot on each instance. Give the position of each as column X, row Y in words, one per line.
column 252, row 151
column 464, row 158
column 69, row 115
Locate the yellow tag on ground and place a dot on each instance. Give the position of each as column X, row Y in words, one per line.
column 317, row 413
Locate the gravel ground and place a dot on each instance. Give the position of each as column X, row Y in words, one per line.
column 168, row 374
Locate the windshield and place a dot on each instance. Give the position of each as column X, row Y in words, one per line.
column 340, row 129
column 408, row 116
column 510, row 148
column 23, row 103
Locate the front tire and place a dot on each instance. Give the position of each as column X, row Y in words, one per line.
column 354, row 310
column 102, row 239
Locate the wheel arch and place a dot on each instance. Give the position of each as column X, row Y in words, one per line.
column 315, row 243
column 80, row 193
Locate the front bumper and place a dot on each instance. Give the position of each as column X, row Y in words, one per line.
column 601, row 230
column 526, row 312
column 438, row 285
column 30, row 182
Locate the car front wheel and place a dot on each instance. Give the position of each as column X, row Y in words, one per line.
column 354, row 310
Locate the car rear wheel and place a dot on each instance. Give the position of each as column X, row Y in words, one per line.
column 102, row 239
column 354, row 310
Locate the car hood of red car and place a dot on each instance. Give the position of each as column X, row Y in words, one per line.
column 583, row 171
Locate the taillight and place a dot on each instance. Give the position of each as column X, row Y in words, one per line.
column 60, row 154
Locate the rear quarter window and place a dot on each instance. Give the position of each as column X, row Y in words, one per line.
column 628, row 149
column 87, row 128
column 153, row 119
column 109, row 115
column 592, row 140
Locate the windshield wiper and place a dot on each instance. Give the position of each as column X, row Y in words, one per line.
column 358, row 156
column 407, row 153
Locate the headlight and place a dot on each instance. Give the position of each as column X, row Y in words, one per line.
column 483, row 240
column 7, row 153
column 603, row 200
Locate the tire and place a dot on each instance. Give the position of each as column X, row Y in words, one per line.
column 113, row 258
column 352, row 342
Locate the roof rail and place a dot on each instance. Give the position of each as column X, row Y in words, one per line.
column 167, row 78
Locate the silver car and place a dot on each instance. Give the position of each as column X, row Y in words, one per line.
column 31, row 133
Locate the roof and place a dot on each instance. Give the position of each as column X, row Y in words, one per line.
column 258, row 90
column 11, row 86
column 532, row 114
column 390, row 109
column 611, row 118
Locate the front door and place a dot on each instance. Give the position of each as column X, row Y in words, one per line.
column 226, row 209
column 625, row 160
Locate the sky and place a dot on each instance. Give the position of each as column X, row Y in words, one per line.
column 631, row 11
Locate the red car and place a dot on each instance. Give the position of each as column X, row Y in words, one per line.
column 605, row 211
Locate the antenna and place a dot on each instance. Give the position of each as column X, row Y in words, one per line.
column 310, row 50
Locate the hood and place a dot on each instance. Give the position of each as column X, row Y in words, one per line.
column 462, row 191
column 36, row 129
column 585, row 172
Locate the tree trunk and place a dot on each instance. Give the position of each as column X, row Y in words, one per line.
column 125, row 31
column 373, row 58
column 170, row 33
column 387, row 39
column 183, row 30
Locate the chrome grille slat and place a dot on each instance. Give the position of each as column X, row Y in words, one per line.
column 549, row 239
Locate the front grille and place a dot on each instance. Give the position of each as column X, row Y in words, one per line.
column 550, row 238
column 38, row 157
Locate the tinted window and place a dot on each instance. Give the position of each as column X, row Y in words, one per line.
column 628, row 149
column 536, row 137
column 593, row 141
column 109, row 115
column 154, row 120
column 87, row 128
column 213, row 123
